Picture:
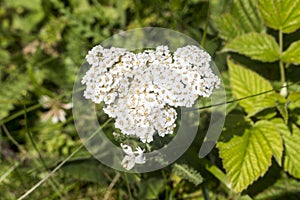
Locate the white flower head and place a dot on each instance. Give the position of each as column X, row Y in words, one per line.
column 140, row 91
column 132, row 157
column 56, row 110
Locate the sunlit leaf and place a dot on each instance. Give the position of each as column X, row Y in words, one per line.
column 291, row 146
column 292, row 54
column 244, row 83
column 243, row 18
column 281, row 14
column 248, row 156
column 282, row 108
column 262, row 47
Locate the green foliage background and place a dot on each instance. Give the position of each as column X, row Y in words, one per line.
column 256, row 46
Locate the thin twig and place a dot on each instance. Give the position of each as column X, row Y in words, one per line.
column 111, row 185
column 12, row 139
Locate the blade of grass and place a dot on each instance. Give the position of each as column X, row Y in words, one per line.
column 7, row 173
column 60, row 165
column 53, row 183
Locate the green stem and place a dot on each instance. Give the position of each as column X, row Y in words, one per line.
column 205, row 192
column 128, row 186
column 282, row 72
column 19, row 113
column 203, row 41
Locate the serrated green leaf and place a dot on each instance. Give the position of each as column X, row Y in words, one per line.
column 284, row 188
column 281, row 14
column 294, row 100
column 228, row 27
column 257, row 46
column 282, row 108
column 187, row 173
column 243, row 18
column 247, row 157
column 291, row 146
column 244, row 83
column 292, row 54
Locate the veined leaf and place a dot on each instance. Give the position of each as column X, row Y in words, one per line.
column 294, row 99
column 247, row 157
column 243, row 18
column 262, row 47
column 228, row 27
column 292, row 54
column 291, row 146
column 282, row 108
column 245, row 82
column 284, row 188
column 281, row 14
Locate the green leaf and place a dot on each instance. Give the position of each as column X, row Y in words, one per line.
column 243, row 18
column 228, row 27
column 262, row 47
column 292, row 54
column 284, row 188
column 187, row 173
column 248, row 156
column 85, row 169
column 294, row 100
column 150, row 188
column 244, row 83
column 282, row 107
column 281, row 14
column 11, row 91
column 294, row 107
column 291, row 147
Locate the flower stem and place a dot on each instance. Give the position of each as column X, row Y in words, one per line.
column 128, row 187
column 283, row 91
column 282, row 72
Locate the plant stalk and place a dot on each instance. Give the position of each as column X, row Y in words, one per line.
column 283, row 91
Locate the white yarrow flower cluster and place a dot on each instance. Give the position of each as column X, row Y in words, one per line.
column 140, row 91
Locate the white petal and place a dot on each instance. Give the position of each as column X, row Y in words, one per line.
column 128, row 162
column 140, row 159
column 127, row 149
